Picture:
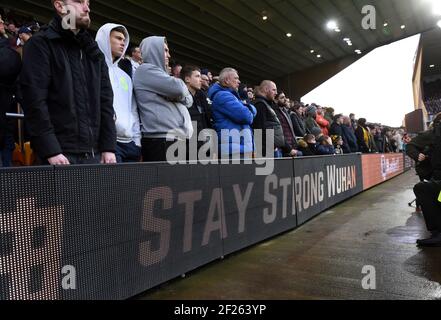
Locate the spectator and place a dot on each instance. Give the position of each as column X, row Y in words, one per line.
column 205, row 83
column 363, row 136
column 325, row 146
column 176, row 69
column 208, row 73
column 12, row 29
column 372, row 145
column 215, row 80
column 10, row 65
column 379, row 139
column 338, row 143
column 229, row 113
column 132, row 63
column 163, row 101
column 322, row 122
column 11, row 34
column 67, row 95
column 24, row 34
column 297, row 120
column 388, row 148
column 200, row 110
column 349, row 133
column 399, row 140
column 243, row 93
column 311, row 114
column 308, row 145
column 354, row 122
column 282, row 111
column 329, row 115
column 266, row 118
column 113, row 40
column 337, row 130
column 2, row 31
column 317, row 133
column 250, row 93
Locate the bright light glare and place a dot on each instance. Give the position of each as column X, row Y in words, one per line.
column 377, row 87
column 332, row 25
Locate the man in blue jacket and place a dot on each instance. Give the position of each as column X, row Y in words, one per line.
column 232, row 118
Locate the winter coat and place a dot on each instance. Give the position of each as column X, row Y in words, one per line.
column 10, row 65
column 298, row 124
column 337, row 130
column 67, row 94
column 266, row 119
column 349, row 133
column 230, row 113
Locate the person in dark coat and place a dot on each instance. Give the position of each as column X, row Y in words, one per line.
column 266, row 119
column 421, row 149
column 348, row 131
column 282, row 112
column 10, row 65
column 200, row 110
column 308, row 146
column 363, row 136
column 67, row 94
column 379, row 140
column 297, row 120
column 337, row 130
column 425, row 149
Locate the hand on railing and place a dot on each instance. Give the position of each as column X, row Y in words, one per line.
column 59, row 160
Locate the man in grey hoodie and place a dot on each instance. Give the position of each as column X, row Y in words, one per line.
column 163, row 102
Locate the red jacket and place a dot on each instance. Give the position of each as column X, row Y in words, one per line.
column 323, row 123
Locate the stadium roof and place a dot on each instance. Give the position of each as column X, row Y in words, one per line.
column 219, row 33
column 431, row 43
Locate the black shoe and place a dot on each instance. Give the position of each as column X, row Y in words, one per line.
column 434, row 241
column 433, row 235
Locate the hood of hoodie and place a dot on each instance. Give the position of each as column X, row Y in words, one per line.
column 152, row 49
column 103, row 40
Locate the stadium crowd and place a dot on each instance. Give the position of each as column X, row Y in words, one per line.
column 101, row 100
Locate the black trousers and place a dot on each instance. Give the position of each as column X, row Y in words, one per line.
column 155, row 150
column 427, row 194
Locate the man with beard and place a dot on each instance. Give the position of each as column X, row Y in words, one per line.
column 67, row 94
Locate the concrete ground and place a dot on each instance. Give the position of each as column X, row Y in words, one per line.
column 325, row 258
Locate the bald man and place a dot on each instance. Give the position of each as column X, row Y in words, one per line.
column 268, row 119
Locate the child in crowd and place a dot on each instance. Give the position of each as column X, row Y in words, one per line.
column 325, row 146
column 337, row 141
column 308, row 145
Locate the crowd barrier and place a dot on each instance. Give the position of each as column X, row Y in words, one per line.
column 112, row 232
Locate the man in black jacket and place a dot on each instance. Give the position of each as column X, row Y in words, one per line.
column 426, row 150
column 266, row 119
column 10, row 65
column 67, row 95
column 200, row 110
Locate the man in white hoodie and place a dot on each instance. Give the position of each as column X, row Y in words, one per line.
column 113, row 41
